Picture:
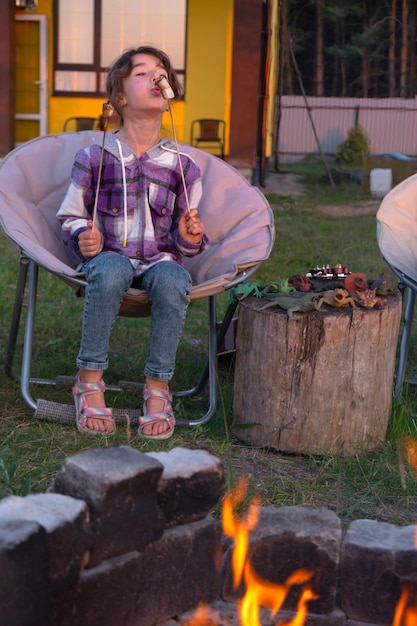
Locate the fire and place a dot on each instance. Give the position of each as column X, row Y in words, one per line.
column 202, row 617
column 409, row 449
column 262, row 593
column 405, row 615
column 258, row 592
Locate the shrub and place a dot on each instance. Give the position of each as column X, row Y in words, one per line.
column 354, row 148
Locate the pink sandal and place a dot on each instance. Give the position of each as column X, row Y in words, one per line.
column 153, row 418
column 81, row 391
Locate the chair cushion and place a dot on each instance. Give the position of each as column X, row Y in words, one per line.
column 397, row 227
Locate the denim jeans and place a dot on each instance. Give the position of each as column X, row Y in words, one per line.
column 109, row 275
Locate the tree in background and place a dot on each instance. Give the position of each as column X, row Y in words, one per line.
column 354, row 148
column 318, row 83
column 360, row 48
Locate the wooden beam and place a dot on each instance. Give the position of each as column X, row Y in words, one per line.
column 243, row 134
column 7, row 76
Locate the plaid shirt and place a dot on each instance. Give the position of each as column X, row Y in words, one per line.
column 152, row 193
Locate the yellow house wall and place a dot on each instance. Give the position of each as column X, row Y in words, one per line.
column 208, row 70
column 209, row 61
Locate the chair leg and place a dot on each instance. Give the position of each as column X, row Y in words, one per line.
column 25, row 264
column 405, row 342
column 28, row 341
column 16, row 315
column 210, row 371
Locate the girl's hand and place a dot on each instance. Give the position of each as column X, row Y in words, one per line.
column 90, row 241
column 191, row 228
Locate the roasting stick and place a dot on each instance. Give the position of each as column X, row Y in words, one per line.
column 107, row 112
column 168, row 94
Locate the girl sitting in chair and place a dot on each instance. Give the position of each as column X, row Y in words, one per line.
column 147, row 219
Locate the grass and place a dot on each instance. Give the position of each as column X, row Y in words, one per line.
column 365, row 485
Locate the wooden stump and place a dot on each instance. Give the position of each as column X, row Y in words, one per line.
column 319, row 383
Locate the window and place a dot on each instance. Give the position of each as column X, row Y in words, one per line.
column 90, row 34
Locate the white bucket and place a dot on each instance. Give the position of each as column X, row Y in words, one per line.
column 380, row 181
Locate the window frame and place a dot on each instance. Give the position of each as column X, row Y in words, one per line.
column 95, row 66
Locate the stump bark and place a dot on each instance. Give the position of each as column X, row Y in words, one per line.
column 319, row 383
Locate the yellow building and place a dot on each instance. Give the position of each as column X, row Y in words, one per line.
column 225, row 52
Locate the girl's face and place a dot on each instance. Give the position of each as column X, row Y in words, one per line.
column 140, row 91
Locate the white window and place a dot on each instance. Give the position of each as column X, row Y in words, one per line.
column 90, row 34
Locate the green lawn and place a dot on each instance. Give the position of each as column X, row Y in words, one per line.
column 367, row 484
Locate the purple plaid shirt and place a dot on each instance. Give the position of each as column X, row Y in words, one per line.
column 139, row 206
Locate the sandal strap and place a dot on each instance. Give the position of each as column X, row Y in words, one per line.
column 164, row 394
column 83, row 412
column 101, row 412
column 80, row 388
column 166, row 415
column 153, row 418
column 150, row 418
column 160, row 394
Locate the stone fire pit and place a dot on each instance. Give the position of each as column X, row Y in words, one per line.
column 124, row 538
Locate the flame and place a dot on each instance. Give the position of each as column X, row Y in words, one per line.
column 202, row 617
column 259, row 592
column 405, row 615
column 410, row 453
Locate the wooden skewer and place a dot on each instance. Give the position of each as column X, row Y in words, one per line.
column 168, row 94
column 107, row 112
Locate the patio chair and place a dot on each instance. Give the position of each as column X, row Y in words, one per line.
column 397, row 240
column 33, row 181
column 73, row 124
column 209, row 134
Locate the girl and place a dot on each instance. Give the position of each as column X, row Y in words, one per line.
column 143, row 228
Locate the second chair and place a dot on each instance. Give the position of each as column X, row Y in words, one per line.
column 75, row 124
column 397, row 241
column 209, row 134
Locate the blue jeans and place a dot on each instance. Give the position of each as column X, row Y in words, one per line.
column 109, row 275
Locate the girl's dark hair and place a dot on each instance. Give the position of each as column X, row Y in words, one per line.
column 122, row 67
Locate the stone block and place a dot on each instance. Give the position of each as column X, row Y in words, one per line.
column 24, row 573
column 191, row 484
column 351, row 622
column 119, row 485
column 105, row 595
column 291, row 538
column 66, row 522
column 179, row 571
column 334, row 618
column 377, row 559
column 222, row 613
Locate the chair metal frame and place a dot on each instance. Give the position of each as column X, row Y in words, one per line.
column 408, row 289
column 208, row 140
column 28, row 277
column 27, row 287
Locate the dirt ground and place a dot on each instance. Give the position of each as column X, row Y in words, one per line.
column 290, row 185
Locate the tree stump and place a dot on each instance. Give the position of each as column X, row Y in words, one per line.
column 319, row 383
